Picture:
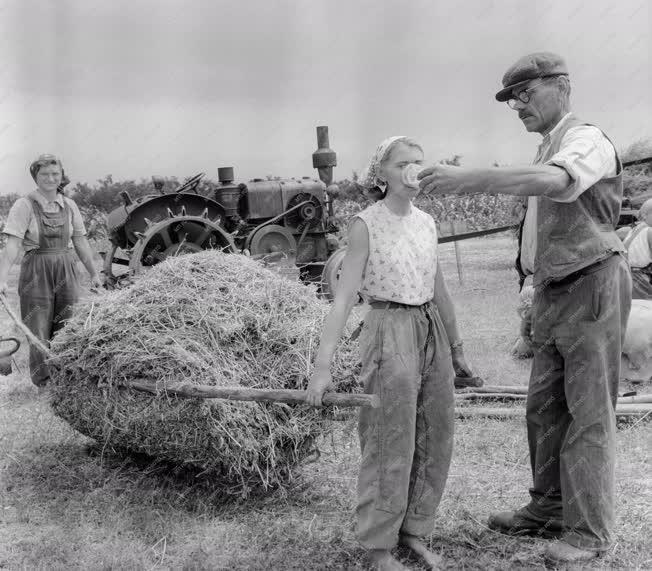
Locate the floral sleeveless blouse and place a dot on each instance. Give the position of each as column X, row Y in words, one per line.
column 402, row 259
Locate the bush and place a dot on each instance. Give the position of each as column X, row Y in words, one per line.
column 105, row 196
column 637, row 179
column 479, row 211
column 95, row 222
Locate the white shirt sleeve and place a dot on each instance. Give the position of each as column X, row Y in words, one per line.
column 587, row 156
column 18, row 218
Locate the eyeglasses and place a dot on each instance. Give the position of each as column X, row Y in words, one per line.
column 524, row 96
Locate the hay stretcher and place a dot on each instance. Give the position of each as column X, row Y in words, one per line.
column 188, row 390
column 630, row 406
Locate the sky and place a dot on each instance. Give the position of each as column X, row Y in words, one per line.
column 134, row 88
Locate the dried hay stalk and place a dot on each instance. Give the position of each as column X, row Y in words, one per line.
column 219, row 319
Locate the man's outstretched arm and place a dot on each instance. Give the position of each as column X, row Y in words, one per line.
column 535, row 180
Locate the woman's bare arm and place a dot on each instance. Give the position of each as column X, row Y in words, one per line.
column 346, row 295
column 83, row 249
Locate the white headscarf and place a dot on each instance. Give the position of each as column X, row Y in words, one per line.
column 369, row 176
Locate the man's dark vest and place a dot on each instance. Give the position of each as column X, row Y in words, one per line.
column 574, row 235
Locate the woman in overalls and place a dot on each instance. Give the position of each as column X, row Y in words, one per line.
column 46, row 224
column 410, row 349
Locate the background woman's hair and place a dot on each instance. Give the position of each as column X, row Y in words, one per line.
column 44, row 161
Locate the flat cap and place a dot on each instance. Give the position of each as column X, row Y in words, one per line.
column 531, row 66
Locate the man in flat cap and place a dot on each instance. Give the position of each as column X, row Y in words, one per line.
column 568, row 243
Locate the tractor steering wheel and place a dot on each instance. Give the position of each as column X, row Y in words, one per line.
column 191, row 183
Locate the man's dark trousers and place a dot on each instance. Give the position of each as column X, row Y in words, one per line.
column 578, row 330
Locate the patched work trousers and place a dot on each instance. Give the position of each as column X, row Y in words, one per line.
column 406, row 444
column 578, row 331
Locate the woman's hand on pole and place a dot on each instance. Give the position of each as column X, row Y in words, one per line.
column 460, row 365
column 96, row 282
column 319, row 383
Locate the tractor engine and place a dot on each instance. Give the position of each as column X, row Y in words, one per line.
column 268, row 219
column 268, row 216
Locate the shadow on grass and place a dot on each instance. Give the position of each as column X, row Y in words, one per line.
column 122, row 510
column 71, row 489
column 74, row 470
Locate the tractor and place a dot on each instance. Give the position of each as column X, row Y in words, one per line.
column 267, row 219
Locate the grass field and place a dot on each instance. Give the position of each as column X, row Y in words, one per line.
column 64, row 505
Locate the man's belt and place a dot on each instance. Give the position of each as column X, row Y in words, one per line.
column 583, row 272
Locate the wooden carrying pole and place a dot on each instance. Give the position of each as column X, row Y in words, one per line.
column 622, row 410
column 490, row 396
column 466, row 382
column 496, row 389
column 634, row 399
column 30, row 336
column 289, row 396
column 507, row 391
column 458, row 255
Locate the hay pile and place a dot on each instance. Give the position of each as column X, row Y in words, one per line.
column 207, row 318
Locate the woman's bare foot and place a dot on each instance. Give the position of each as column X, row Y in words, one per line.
column 383, row 560
column 416, row 545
